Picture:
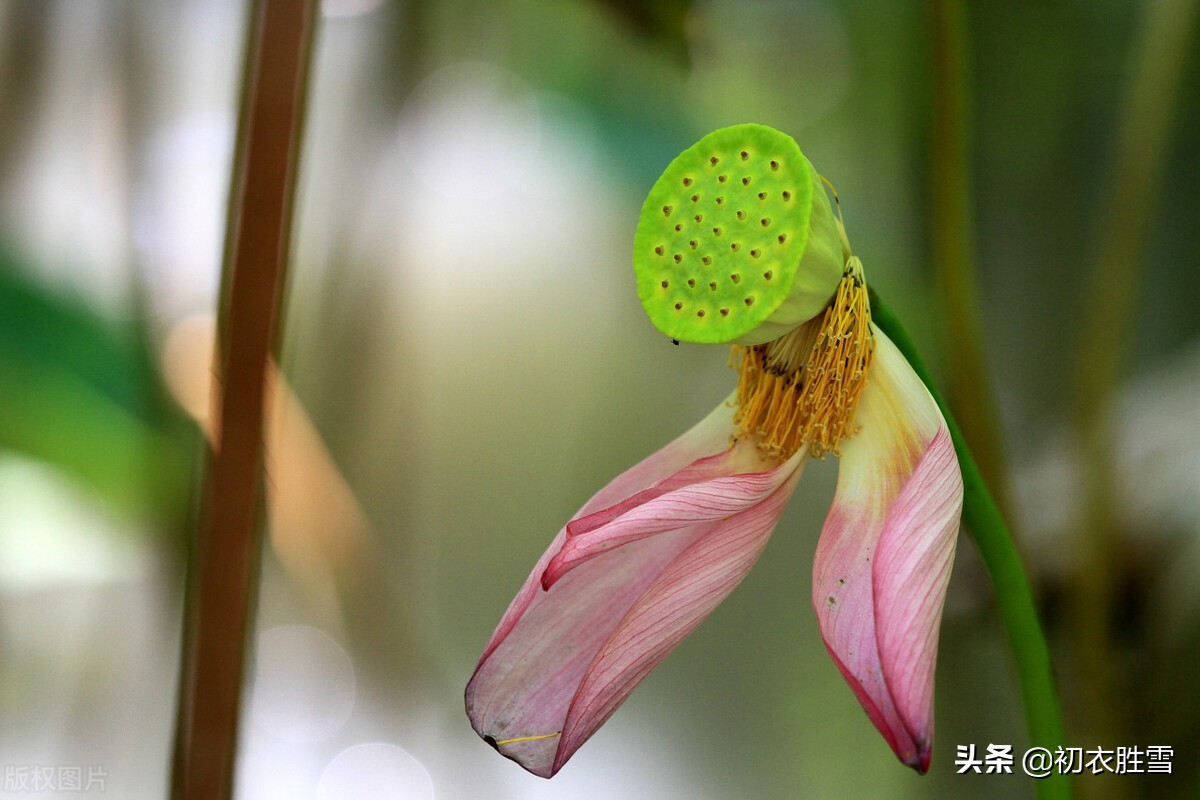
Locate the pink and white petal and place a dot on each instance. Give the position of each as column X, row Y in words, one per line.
column 708, row 437
column 729, row 461
column 525, row 685
column 899, row 422
column 911, row 573
column 531, row 667
column 716, row 496
column 683, row 594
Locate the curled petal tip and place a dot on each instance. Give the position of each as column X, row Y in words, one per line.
column 919, row 759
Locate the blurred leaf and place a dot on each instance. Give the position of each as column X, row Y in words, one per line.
column 664, row 22
column 81, row 392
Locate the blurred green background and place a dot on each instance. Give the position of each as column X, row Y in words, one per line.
column 468, row 362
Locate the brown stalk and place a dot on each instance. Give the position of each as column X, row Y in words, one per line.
column 224, row 563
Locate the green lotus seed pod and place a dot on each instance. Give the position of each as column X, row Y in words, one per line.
column 737, row 241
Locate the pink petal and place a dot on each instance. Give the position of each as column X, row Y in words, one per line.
column 911, row 573
column 711, row 435
column 883, row 562
column 559, row 662
column 703, row 491
column 684, row 593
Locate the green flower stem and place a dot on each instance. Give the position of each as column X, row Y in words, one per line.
column 1014, row 599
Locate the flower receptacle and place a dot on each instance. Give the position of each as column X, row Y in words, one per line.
column 737, row 241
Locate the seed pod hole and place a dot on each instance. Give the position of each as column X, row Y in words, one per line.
column 724, row 312
column 720, row 200
column 762, row 195
column 736, row 278
column 755, row 253
column 679, row 306
column 768, row 275
column 774, row 166
column 666, row 211
column 782, row 238
column 658, row 251
column 744, row 155
column 679, row 226
column 716, row 231
column 735, row 246
column 707, row 260
column 700, row 313
column 722, row 178
column 698, row 217
column 694, row 244
column 695, row 198
column 714, row 161
column 687, row 181
column 748, row 301
column 741, row 215
column 765, row 221
column 692, row 283
column 746, row 181
column 665, row 284
column 678, row 258
column 787, row 195
column 712, row 285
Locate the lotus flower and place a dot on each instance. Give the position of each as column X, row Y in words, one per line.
column 645, row 560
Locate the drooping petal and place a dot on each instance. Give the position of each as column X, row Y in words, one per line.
column 559, row 662
column 684, row 593
column 911, row 573
column 712, row 488
column 709, row 436
column 883, row 561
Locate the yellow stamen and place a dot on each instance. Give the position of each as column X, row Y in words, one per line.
column 528, row 738
column 804, row 388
